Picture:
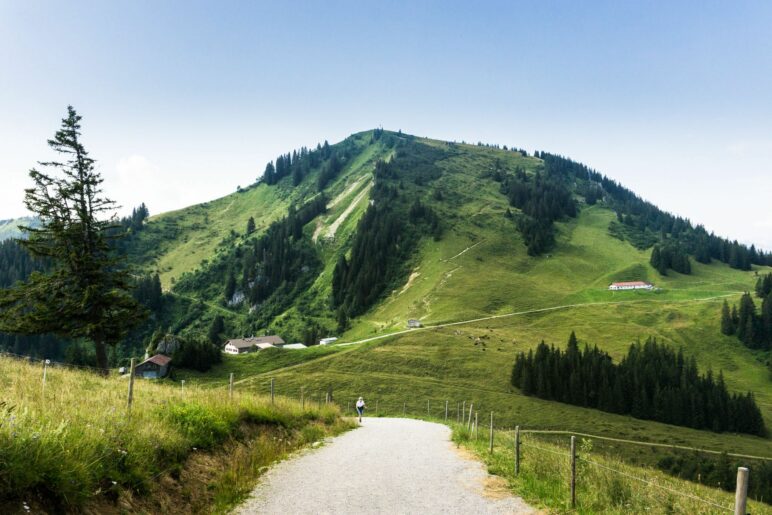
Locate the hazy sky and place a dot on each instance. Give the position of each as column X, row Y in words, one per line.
column 183, row 101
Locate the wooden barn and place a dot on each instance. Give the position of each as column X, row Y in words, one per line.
column 154, row 367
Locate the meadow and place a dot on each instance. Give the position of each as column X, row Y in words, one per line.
column 71, row 443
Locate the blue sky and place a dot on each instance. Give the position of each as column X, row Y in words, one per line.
column 184, row 101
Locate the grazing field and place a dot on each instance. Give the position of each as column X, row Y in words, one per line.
column 71, row 444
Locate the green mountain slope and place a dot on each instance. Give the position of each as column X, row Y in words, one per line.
column 458, row 257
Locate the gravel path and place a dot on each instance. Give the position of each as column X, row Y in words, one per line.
column 389, row 465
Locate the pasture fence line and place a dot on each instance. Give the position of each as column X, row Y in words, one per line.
column 467, row 420
column 641, row 442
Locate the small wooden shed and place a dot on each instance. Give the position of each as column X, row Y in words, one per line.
column 154, row 367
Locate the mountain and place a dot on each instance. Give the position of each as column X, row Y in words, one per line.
column 10, row 228
column 400, row 217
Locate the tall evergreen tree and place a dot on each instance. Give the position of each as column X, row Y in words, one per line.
column 250, row 226
column 656, row 259
column 86, row 293
column 727, row 327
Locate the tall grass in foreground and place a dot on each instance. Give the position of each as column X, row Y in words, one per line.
column 603, row 485
column 73, row 440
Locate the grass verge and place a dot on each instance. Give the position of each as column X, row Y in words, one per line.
column 71, row 443
column 604, row 484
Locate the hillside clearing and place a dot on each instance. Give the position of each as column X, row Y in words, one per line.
column 345, row 214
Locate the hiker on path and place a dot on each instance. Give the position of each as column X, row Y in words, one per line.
column 361, row 408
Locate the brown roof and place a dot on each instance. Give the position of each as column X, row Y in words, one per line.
column 241, row 343
column 158, row 359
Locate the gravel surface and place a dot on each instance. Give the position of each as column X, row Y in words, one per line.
column 389, row 465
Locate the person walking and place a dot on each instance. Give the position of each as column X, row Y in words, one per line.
column 361, row 408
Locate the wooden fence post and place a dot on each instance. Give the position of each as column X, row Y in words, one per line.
column 45, row 369
column 131, row 384
column 272, row 390
column 404, row 408
column 182, row 385
column 428, row 412
column 469, row 419
column 573, row 472
column 376, row 408
column 302, row 397
column 446, row 411
column 458, row 412
column 741, row 492
column 491, row 443
column 230, row 386
column 476, row 427
column 463, row 412
column 517, row 450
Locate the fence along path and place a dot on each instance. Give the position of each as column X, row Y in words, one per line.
column 469, row 421
column 650, row 444
column 467, row 418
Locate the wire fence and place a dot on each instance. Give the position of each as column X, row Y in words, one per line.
column 466, row 415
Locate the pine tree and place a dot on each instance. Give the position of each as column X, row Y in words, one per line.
column 250, row 226
column 86, row 294
column 342, row 319
column 656, row 260
column 766, row 321
column 727, row 327
column 746, row 321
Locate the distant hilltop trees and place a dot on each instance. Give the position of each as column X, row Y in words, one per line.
column 644, row 224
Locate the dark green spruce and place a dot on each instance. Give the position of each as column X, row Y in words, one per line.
column 652, row 382
column 753, row 327
column 86, row 291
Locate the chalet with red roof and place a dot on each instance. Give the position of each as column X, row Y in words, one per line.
column 631, row 285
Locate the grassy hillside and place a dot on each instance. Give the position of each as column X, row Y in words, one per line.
column 181, row 241
column 71, row 444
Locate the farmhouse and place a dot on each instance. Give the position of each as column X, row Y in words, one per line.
column 413, row 324
column 251, row 344
column 327, row 341
column 631, row 285
column 154, row 367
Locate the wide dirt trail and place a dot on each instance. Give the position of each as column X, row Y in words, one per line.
column 389, row 465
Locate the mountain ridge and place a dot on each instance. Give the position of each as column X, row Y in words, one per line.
column 468, row 175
